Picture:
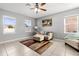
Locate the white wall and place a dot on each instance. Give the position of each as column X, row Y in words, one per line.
column 58, row 22
column 20, row 29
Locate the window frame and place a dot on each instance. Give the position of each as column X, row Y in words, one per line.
column 30, row 22
column 65, row 23
column 3, row 24
column 29, row 28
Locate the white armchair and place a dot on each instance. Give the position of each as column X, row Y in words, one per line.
column 39, row 37
column 50, row 36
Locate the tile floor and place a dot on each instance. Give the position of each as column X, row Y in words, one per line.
column 58, row 48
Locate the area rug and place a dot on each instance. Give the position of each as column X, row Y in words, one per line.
column 38, row 47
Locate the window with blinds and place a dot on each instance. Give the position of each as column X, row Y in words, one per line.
column 71, row 24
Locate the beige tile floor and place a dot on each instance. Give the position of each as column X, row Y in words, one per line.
column 58, row 48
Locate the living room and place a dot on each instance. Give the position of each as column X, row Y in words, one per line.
column 25, row 31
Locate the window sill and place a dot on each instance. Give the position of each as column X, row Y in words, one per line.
column 70, row 32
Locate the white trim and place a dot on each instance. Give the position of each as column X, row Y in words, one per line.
column 17, row 39
column 77, row 22
column 64, row 25
column 9, row 16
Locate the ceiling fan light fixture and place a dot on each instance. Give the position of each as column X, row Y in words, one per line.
column 36, row 10
column 38, row 7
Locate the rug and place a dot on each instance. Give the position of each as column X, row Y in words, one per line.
column 38, row 47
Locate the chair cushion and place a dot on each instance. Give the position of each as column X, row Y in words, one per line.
column 39, row 37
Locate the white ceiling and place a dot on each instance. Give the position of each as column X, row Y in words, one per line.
column 51, row 8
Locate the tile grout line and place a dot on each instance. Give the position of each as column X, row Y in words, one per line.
column 5, row 49
column 65, row 48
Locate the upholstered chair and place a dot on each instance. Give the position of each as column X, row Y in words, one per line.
column 50, row 35
column 39, row 37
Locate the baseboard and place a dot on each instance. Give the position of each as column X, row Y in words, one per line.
column 17, row 39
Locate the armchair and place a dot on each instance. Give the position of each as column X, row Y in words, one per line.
column 49, row 36
column 39, row 37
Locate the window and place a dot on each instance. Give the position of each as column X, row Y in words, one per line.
column 71, row 24
column 28, row 25
column 9, row 24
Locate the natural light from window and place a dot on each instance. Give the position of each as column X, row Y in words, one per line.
column 71, row 24
column 28, row 24
column 9, row 24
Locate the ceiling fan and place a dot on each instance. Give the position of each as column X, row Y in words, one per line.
column 37, row 6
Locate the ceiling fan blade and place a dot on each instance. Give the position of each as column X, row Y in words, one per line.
column 42, row 12
column 43, row 9
column 42, row 4
column 28, row 4
column 32, row 8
